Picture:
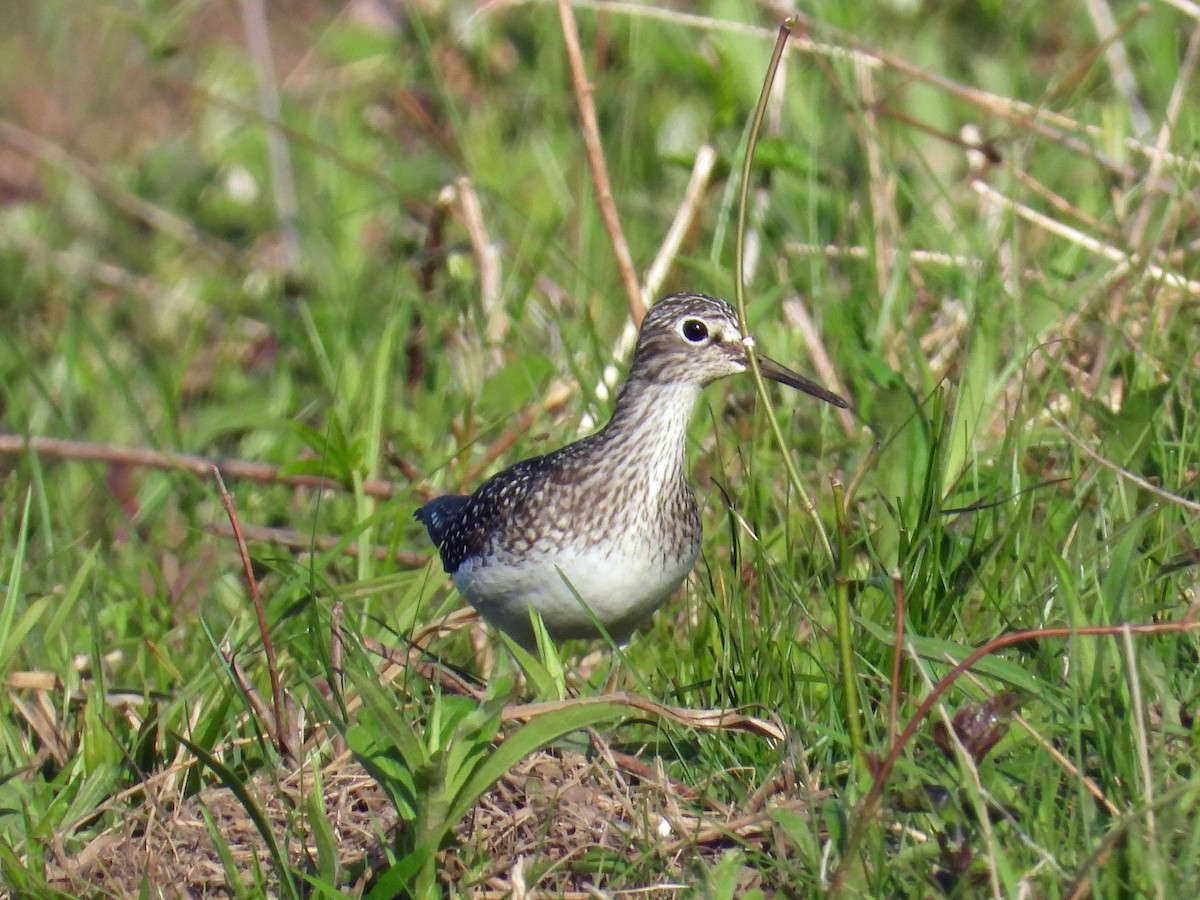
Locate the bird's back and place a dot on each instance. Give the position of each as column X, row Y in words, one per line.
column 462, row 526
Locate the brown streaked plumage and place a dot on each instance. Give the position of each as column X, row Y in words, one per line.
column 604, row 529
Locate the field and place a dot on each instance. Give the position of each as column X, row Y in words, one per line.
column 354, row 255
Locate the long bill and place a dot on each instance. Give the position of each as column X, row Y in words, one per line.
column 782, row 374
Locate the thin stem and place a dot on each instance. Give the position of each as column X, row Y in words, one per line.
column 897, row 656
column 739, row 268
column 841, row 593
column 282, row 731
column 596, row 165
column 201, row 466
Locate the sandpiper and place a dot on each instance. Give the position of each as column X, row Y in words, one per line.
column 602, row 531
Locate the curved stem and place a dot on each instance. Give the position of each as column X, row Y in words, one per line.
column 739, row 289
column 841, row 558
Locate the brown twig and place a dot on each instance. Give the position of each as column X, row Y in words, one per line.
column 414, row 658
column 1089, row 243
column 743, row 828
column 201, row 466
column 282, row 732
column 638, row 768
column 1062, row 205
column 596, row 164
column 700, row 719
column 433, row 250
column 337, row 648
column 253, row 697
column 656, row 275
column 863, row 254
column 487, row 257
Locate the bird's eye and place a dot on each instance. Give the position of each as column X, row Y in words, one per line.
column 695, row 330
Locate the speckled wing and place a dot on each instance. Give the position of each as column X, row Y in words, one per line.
column 461, row 527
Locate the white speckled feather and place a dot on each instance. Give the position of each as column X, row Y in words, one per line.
column 609, row 520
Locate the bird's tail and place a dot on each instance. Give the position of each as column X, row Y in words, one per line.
column 438, row 514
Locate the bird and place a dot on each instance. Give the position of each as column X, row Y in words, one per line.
column 602, row 531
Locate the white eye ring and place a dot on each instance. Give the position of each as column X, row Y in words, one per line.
column 694, row 331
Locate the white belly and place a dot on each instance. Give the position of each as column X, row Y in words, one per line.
column 621, row 589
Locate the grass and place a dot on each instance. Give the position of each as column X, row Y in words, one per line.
column 1019, row 337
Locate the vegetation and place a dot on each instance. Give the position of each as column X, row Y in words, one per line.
column 975, row 220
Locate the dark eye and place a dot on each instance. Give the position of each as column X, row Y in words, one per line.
column 695, row 330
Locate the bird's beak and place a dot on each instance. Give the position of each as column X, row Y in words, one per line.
column 773, row 370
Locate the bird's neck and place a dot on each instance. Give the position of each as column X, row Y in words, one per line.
column 653, row 417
